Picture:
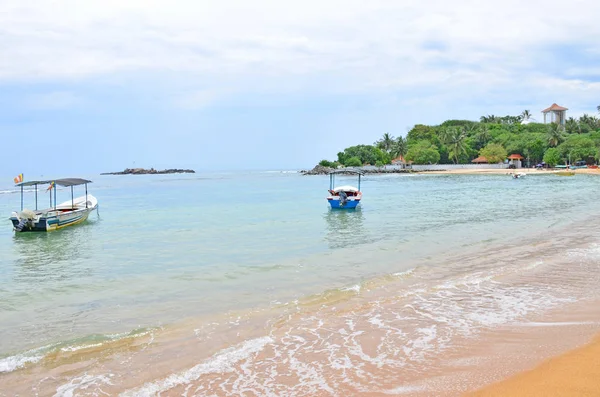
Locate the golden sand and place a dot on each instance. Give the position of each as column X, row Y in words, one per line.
column 504, row 171
column 575, row 373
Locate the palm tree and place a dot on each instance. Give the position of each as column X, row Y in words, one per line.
column 572, row 126
column 483, row 136
column 399, row 148
column 385, row 143
column 455, row 138
column 598, row 108
column 490, row 118
column 526, row 115
column 556, row 134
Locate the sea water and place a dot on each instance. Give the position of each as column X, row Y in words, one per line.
column 231, row 282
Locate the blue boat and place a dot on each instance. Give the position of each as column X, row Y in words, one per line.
column 344, row 197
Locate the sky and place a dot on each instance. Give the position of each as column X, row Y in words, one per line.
column 96, row 86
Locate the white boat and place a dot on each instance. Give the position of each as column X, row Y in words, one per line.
column 55, row 217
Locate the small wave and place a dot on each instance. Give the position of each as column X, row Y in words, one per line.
column 354, row 288
column 405, row 273
column 12, row 363
column 82, row 383
column 221, row 362
column 33, row 356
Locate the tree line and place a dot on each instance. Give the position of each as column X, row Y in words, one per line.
column 493, row 137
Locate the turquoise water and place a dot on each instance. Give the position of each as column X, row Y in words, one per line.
column 166, row 248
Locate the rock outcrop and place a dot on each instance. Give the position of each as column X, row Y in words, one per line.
column 143, row 171
column 320, row 170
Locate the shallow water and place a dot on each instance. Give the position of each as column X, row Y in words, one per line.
column 232, row 283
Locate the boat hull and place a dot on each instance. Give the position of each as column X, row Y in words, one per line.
column 350, row 204
column 54, row 221
column 55, row 218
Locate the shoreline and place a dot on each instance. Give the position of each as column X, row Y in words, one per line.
column 507, row 171
column 574, row 373
column 463, row 171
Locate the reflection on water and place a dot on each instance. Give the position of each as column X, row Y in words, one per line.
column 345, row 228
column 59, row 254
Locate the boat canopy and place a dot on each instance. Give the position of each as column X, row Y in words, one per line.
column 345, row 189
column 66, row 182
column 347, row 171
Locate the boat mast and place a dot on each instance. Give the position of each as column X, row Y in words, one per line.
column 54, row 186
column 359, row 182
column 72, row 202
column 21, row 197
column 36, row 205
column 86, row 205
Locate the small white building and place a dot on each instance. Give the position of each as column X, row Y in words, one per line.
column 516, row 160
column 557, row 114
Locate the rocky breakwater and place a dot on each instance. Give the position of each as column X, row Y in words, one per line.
column 151, row 171
column 320, row 170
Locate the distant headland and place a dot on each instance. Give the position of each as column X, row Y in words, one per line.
column 151, row 171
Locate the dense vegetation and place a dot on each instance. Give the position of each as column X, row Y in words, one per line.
column 460, row 141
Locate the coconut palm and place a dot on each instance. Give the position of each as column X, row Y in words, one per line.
column 526, row 115
column 556, row 134
column 454, row 138
column 490, row 118
column 483, row 136
column 399, row 148
column 385, row 143
column 572, row 126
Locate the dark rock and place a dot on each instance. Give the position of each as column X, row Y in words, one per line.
column 151, row 171
column 320, row 170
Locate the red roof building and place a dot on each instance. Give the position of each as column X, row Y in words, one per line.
column 516, row 157
column 479, row 160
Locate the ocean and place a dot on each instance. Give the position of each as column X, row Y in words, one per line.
column 246, row 283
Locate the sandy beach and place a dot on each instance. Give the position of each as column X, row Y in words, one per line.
column 575, row 373
column 505, row 171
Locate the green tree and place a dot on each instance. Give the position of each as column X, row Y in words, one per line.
column 525, row 115
column 421, row 132
column 454, row 138
column 399, row 147
column 552, row 157
column 483, row 136
column 353, row 162
column 367, row 154
column 556, row 134
column 572, row 126
column 385, row 143
column 491, row 119
column 423, row 152
column 493, row 153
column 578, row 147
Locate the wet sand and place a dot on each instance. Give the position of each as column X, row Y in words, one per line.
column 575, row 373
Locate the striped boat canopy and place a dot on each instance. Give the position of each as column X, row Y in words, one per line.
column 60, row 182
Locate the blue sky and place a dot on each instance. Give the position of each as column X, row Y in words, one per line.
column 87, row 88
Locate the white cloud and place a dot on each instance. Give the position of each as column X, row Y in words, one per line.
column 332, row 45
